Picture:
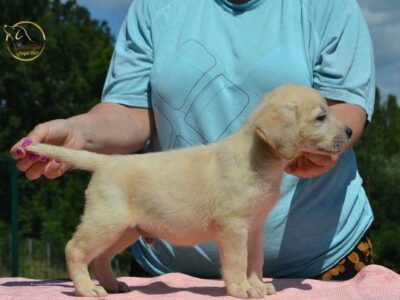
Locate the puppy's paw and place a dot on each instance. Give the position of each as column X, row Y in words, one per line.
column 266, row 288
column 244, row 290
column 123, row 287
column 93, row 291
column 116, row 287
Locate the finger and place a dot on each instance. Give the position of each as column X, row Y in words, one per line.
column 35, row 171
column 24, row 164
column 309, row 173
column 18, row 151
column 321, row 160
column 317, row 159
column 305, row 168
column 55, row 169
column 38, row 134
column 301, row 163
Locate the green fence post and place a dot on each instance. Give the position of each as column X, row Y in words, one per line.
column 14, row 222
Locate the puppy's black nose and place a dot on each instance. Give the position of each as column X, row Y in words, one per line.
column 349, row 132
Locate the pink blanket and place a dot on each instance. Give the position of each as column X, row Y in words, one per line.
column 373, row 282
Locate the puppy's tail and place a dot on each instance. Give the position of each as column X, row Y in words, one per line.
column 80, row 159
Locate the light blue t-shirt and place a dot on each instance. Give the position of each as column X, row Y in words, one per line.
column 202, row 66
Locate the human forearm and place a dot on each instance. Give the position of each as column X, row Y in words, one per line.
column 114, row 128
column 107, row 128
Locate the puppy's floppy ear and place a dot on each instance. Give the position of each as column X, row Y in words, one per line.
column 279, row 130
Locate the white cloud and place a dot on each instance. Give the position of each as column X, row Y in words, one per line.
column 383, row 18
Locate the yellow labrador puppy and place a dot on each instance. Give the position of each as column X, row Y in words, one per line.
column 220, row 192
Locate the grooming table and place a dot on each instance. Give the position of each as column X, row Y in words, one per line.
column 373, row 282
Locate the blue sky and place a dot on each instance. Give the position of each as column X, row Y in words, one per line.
column 383, row 18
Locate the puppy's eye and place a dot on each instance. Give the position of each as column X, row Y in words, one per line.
column 321, row 118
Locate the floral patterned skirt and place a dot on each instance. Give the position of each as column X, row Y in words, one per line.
column 353, row 263
column 346, row 269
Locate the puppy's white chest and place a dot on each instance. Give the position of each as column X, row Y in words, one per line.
column 262, row 208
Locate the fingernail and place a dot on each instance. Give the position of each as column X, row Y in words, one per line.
column 33, row 156
column 27, row 143
column 20, row 152
column 44, row 159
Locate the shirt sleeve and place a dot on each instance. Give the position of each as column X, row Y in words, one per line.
column 127, row 81
column 344, row 64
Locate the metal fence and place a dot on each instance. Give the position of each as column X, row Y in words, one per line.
column 31, row 256
column 9, row 259
column 23, row 256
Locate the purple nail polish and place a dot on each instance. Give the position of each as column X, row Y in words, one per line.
column 27, row 143
column 44, row 159
column 20, row 152
column 33, row 156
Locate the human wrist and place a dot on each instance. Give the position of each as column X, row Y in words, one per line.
column 113, row 129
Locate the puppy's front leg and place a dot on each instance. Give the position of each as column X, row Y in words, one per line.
column 255, row 248
column 232, row 241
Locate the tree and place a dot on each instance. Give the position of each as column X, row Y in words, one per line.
column 68, row 77
column 65, row 80
column 379, row 164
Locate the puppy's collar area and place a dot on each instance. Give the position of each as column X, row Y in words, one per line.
column 264, row 159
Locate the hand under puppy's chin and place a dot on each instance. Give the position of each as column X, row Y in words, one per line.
column 319, row 151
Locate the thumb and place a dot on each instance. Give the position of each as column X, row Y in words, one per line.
column 38, row 134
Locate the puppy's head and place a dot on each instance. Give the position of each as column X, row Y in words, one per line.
column 295, row 118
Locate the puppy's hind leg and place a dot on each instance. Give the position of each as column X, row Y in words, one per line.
column 103, row 223
column 80, row 251
column 101, row 265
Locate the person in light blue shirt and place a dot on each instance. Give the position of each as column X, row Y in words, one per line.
column 201, row 66
column 188, row 72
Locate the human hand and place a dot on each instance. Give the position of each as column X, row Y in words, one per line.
column 57, row 132
column 309, row 165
